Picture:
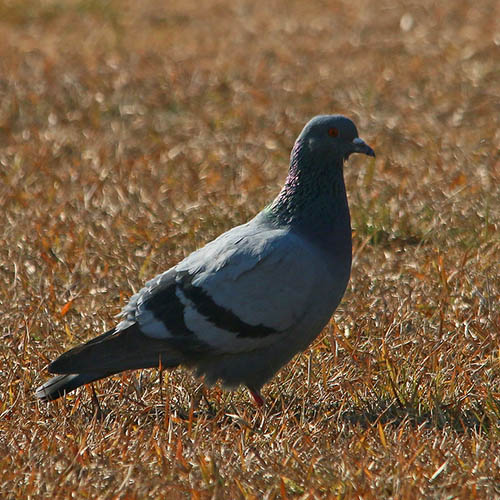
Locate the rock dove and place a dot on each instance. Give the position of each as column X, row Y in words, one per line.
column 242, row 306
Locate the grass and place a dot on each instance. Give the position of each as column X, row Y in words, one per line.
column 133, row 132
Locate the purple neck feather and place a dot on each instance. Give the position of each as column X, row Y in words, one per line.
column 314, row 190
column 313, row 200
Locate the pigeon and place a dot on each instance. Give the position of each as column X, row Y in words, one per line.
column 239, row 308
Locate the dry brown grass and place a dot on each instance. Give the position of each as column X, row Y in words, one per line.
column 133, row 132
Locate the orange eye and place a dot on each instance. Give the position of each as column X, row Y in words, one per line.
column 334, row 132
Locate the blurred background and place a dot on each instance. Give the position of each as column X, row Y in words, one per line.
column 133, row 132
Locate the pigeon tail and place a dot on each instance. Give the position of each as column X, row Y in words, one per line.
column 112, row 352
column 116, row 351
column 58, row 386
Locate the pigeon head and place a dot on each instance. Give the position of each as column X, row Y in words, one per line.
column 330, row 137
column 314, row 192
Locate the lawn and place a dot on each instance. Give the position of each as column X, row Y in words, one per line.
column 131, row 133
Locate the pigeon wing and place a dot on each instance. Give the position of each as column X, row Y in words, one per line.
column 239, row 292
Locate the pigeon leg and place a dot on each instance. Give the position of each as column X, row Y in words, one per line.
column 257, row 397
column 97, row 406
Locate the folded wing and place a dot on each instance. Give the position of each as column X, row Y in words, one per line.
column 240, row 292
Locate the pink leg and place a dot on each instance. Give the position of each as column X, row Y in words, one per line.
column 257, row 397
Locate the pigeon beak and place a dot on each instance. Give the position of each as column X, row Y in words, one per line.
column 360, row 146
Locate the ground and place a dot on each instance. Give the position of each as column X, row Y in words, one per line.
column 133, row 132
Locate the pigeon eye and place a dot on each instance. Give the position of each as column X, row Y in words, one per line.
column 334, row 132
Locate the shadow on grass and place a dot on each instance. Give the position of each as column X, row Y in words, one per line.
column 480, row 417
